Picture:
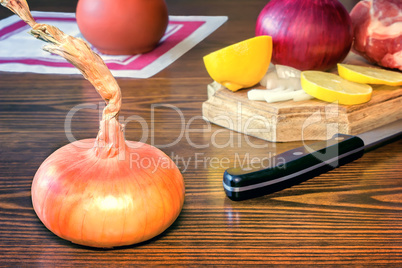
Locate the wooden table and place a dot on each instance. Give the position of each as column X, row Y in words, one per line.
column 350, row 216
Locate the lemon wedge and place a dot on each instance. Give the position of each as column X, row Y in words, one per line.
column 333, row 88
column 369, row 75
column 240, row 65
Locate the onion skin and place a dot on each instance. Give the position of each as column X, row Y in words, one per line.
column 104, row 192
column 307, row 34
column 82, row 200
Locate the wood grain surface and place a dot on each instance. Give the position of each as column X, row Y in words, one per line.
column 350, row 216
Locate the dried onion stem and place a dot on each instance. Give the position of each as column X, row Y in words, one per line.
column 110, row 140
column 86, row 196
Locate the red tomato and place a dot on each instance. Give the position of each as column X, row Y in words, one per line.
column 121, row 27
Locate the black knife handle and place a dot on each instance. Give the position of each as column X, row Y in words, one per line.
column 292, row 167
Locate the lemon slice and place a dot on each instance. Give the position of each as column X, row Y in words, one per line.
column 333, row 88
column 369, row 75
column 240, row 65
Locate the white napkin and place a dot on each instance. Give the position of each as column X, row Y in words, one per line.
column 20, row 52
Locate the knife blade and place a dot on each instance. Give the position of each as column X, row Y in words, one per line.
column 299, row 164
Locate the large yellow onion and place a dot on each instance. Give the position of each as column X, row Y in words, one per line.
column 103, row 201
column 103, row 192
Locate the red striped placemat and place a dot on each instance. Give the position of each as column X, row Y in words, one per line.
column 20, row 52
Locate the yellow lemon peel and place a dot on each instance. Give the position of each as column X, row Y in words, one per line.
column 333, row 88
column 369, row 75
column 240, row 65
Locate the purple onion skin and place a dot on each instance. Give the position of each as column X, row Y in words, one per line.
column 307, row 34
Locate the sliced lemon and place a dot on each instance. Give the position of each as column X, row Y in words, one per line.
column 369, row 75
column 333, row 88
column 240, row 65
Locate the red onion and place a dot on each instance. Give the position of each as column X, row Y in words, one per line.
column 307, row 34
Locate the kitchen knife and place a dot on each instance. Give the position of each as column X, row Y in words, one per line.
column 300, row 164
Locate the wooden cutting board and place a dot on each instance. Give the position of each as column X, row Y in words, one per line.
column 304, row 120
